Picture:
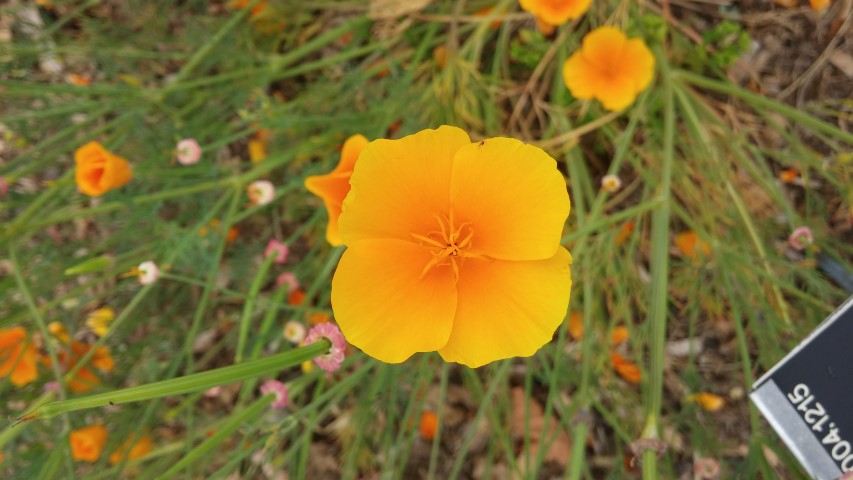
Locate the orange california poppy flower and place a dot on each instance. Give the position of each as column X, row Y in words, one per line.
column 575, row 325
column 691, row 246
column 18, row 356
column 453, row 247
column 609, row 67
column 99, row 170
column 555, row 12
column 87, row 442
column 626, row 369
column 127, row 452
column 429, row 425
column 334, row 186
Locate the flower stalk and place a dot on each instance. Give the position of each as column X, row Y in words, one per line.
column 185, row 384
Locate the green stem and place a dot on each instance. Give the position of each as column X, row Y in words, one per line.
column 249, row 306
column 185, row 384
column 660, row 274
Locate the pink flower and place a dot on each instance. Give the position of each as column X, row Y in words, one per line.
column 289, row 279
column 706, row 468
column 278, row 249
column 4, row 187
column 279, row 390
column 331, row 360
column 52, row 387
column 147, row 272
column 188, row 151
column 801, row 238
column 213, row 392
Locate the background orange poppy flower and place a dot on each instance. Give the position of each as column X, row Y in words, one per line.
column 99, row 170
column 334, row 186
column 17, row 356
column 609, row 67
column 555, row 12
column 87, row 443
column 453, row 247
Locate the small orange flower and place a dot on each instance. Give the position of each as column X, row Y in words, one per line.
column 85, row 379
column 128, row 452
column 317, row 318
column 709, row 401
column 619, row 335
column 555, row 12
column 334, row 186
column 819, row 5
column 87, row 442
column 17, row 356
column 691, row 246
column 429, row 425
column 439, row 56
column 624, row 232
column 257, row 9
column 626, row 369
column 575, row 325
column 789, row 175
column 296, row 297
column 609, row 67
column 99, row 170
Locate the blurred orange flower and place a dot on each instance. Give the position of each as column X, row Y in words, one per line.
column 555, row 12
column 709, row 401
column 334, row 186
column 819, row 5
column 99, row 170
column 691, row 246
column 127, row 452
column 575, row 325
column 429, row 425
column 609, row 67
column 619, row 335
column 18, row 356
column 85, row 379
column 626, row 369
column 87, row 442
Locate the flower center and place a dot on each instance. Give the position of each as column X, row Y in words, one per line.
column 448, row 245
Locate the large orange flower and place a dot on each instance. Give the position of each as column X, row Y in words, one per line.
column 334, row 186
column 610, row 67
column 17, row 356
column 453, row 246
column 555, row 12
column 99, row 170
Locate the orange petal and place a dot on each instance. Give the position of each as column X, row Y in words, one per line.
column 575, row 325
column 508, row 308
column 638, row 63
column 556, row 12
column 580, row 76
column 384, row 307
column 11, row 336
column 399, row 185
column 626, row 369
column 513, row 197
column 332, row 188
column 26, row 369
column 690, row 245
column 616, row 93
column 709, row 401
column 619, row 335
column 603, row 47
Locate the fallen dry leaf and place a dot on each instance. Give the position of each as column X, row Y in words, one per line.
column 560, row 450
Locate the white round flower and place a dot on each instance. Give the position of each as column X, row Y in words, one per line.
column 147, row 272
column 294, row 331
column 261, row 192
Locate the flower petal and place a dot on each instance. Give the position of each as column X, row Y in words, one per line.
column 580, row 76
column 332, row 188
column 603, row 47
column 638, row 63
column 350, row 152
column 616, row 93
column 507, row 309
column 399, row 185
column 513, row 197
column 384, row 307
